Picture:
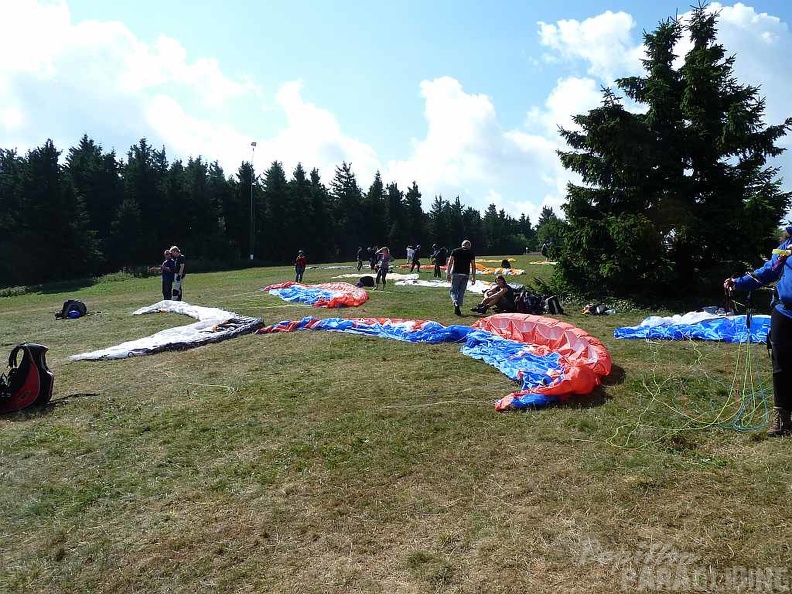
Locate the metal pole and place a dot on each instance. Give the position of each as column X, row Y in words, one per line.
column 252, row 211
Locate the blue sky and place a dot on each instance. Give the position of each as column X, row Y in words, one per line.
column 463, row 97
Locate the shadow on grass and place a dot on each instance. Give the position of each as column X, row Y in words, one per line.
column 615, row 377
column 34, row 411
column 63, row 287
column 598, row 397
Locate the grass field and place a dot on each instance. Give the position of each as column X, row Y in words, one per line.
column 321, row 462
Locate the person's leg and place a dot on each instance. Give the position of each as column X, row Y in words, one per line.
column 457, row 292
column 384, row 275
column 781, row 343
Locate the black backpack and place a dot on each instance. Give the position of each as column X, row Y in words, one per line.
column 72, row 308
column 365, row 281
column 530, row 303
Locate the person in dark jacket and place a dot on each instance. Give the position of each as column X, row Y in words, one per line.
column 499, row 296
column 168, row 272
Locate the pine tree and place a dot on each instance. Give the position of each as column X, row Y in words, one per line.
column 55, row 242
column 348, row 211
column 97, row 178
column 276, row 227
column 677, row 197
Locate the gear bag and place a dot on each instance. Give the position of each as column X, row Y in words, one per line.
column 28, row 381
column 72, row 308
column 553, row 305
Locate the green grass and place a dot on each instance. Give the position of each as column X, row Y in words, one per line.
column 321, row 462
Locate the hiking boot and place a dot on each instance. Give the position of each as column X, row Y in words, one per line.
column 457, row 311
column 780, row 422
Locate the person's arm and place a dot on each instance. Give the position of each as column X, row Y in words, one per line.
column 449, row 266
column 770, row 272
column 473, row 270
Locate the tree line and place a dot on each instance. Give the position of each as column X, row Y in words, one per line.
column 90, row 212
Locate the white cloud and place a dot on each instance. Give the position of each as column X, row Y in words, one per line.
column 61, row 79
column 604, row 42
column 466, row 152
column 571, row 96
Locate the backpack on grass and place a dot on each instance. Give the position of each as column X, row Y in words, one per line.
column 72, row 308
column 529, row 303
column 28, row 381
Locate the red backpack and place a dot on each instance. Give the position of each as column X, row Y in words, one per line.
column 28, row 381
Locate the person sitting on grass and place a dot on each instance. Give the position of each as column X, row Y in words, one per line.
column 499, row 296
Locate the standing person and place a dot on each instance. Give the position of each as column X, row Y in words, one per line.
column 410, row 251
column 545, row 249
column 383, row 265
column 440, row 256
column 178, row 281
column 168, row 272
column 360, row 257
column 777, row 269
column 299, row 266
column 461, row 265
column 415, row 262
column 372, row 254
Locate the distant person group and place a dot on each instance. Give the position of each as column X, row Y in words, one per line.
column 173, row 273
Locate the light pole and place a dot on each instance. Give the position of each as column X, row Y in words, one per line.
column 252, row 212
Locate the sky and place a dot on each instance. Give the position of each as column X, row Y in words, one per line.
column 463, row 97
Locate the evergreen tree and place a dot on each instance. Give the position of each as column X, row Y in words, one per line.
column 240, row 210
column 97, row 178
column 494, row 230
column 322, row 240
column 417, row 229
column 304, row 224
column 456, row 224
column 439, row 224
column 680, row 194
column 127, row 247
column 474, row 230
column 276, row 229
column 220, row 193
column 55, row 242
column 395, row 221
column 11, row 167
column 201, row 217
column 348, row 212
column 145, row 185
column 375, row 213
